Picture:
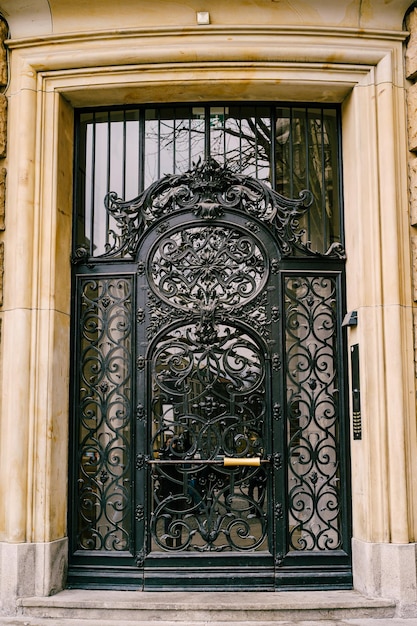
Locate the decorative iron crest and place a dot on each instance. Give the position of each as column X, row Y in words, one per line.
column 208, row 190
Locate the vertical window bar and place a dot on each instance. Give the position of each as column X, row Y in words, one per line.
column 256, row 131
column 307, row 165
column 141, row 150
column 323, row 185
column 108, row 172
column 174, row 142
column 189, row 137
column 124, row 156
column 93, row 183
column 272, row 148
column 240, row 138
column 207, row 133
column 224, row 135
column 291, row 155
column 159, row 142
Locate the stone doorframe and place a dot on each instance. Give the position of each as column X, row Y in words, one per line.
column 51, row 76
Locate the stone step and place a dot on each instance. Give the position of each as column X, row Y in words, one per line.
column 88, row 607
column 34, row 621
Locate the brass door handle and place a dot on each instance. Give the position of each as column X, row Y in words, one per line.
column 226, row 461
column 229, row 461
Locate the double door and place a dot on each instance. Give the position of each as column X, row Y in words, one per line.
column 209, row 416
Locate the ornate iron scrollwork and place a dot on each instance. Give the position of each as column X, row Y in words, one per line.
column 140, row 316
column 208, row 402
column 104, row 398
column 279, row 513
column 208, row 190
column 276, row 460
column 202, row 268
column 276, row 362
column 313, row 392
column 140, row 412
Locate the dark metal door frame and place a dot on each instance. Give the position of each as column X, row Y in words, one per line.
column 297, row 314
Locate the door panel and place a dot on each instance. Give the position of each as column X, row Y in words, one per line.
column 210, row 299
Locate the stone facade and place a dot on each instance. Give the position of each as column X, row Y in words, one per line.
column 3, row 143
column 411, row 75
column 65, row 55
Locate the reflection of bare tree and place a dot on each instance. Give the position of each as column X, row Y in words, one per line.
column 291, row 148
column 293, row 151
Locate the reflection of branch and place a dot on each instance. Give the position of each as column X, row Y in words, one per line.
column 302, row 154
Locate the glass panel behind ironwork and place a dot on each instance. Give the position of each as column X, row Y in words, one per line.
column 241, row 139
column 313, row 413
column 291, row 148
column 307, row 157
column 104, row 412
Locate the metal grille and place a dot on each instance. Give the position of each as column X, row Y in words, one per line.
column 312, row 342
column 104, row 427
column 208, row 402
column 291, row 148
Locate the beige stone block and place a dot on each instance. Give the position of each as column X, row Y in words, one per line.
column 415, row 339
column 411, row 59
column 31, row 569
column 411, row 52
column 3, row 55
column 1, row 272
column 414, row 264
column 3, row 173
column 411, row 21
column 412, row 186
column 412, row 117
column 3, row 125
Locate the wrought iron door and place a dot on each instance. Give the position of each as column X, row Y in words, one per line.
column 234, row 459
column 208, row 374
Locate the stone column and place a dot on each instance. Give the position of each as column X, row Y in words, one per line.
column 35, row 341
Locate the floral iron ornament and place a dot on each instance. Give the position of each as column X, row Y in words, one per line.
column 207, row 190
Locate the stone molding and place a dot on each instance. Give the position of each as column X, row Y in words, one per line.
column 29, row 17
